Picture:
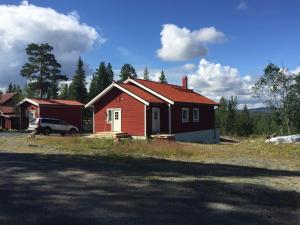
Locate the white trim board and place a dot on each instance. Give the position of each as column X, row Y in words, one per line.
column 149, row 90
column 28, row 100
column 89, row 104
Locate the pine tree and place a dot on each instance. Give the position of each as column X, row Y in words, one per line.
column 162, row 78
column 64, row 91
column 231, row 116
column 146, row 74
column 244, row 123
column 221, row 114
column 9, row 88
column 55, row 78
column 40, row 67
column 93, row 90
column 101, row 77
column 110, row 74
column 127, row 71
column 30, row 92
column 77, row 90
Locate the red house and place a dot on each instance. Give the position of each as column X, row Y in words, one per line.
column 141, row 108
column 8, row 118
column 69, row 111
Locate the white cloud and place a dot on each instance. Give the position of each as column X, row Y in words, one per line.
column 296, row 70
column 27, row 23
column 215, row 80
column 179, row 44
column 173, row 74
column 242, row 5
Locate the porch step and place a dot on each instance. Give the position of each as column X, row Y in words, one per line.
column 110, row 135
column 163, row 136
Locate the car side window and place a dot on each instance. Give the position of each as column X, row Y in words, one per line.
column 62, row 122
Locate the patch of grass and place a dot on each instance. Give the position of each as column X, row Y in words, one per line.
column 248, row 152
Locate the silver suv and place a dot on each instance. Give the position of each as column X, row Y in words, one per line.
column 50, row 125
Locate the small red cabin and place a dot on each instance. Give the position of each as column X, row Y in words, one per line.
column 8, row 118
column 69, row 111
column 141, row 108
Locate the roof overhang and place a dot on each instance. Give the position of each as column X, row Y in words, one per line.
column 115, row 85
column 149, row 90
column 28, row 100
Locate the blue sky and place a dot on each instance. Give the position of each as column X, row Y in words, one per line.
column 255, row 31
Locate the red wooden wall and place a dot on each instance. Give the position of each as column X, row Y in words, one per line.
column 71, row 114
column 206, row 118
column 132, row 113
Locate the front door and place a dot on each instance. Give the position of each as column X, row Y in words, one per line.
column 31, row 115
column 155, row 120
column 116, row 120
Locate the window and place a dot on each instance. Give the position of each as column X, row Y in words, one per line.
column 116, row 115
column 185, row 115
column 109, row 115
column 195, row 115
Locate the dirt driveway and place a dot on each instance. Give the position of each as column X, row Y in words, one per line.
column 60, row 189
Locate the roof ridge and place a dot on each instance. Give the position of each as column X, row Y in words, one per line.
column 157, row 82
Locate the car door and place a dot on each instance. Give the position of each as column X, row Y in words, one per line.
column 63, row 126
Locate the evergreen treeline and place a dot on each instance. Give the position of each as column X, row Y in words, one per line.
column 45, row 80
column 244, row 122
column 280, row 91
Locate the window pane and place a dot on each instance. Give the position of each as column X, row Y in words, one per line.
column 155, row 115
column 185, row 115
column 196, row 115
column 116, row 115
column 109, row 115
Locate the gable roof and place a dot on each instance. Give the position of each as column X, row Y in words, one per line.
column 129, row 89
column 142, row 93
column 172, row 93
column 7, row 109
column 54, row 102
column 6, row 97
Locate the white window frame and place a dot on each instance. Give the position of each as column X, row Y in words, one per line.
column 196, row 119
column 187, row 119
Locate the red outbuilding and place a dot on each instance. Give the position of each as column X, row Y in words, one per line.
column 69, row 111
column 141, row 108
column 8, row 118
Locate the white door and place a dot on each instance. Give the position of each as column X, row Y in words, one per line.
column 155, row 120
column 116, row 120
column 31, row 115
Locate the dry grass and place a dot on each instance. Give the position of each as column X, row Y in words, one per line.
column 249, row 152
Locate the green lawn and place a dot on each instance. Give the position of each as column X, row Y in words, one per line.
column 248, row 152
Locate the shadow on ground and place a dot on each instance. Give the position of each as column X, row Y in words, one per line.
column 60, row 189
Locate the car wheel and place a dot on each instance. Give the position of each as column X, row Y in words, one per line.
column 47, row 131
column 37, row 132
column 73, row 132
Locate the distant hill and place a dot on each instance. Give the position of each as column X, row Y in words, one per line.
column 259, row 111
